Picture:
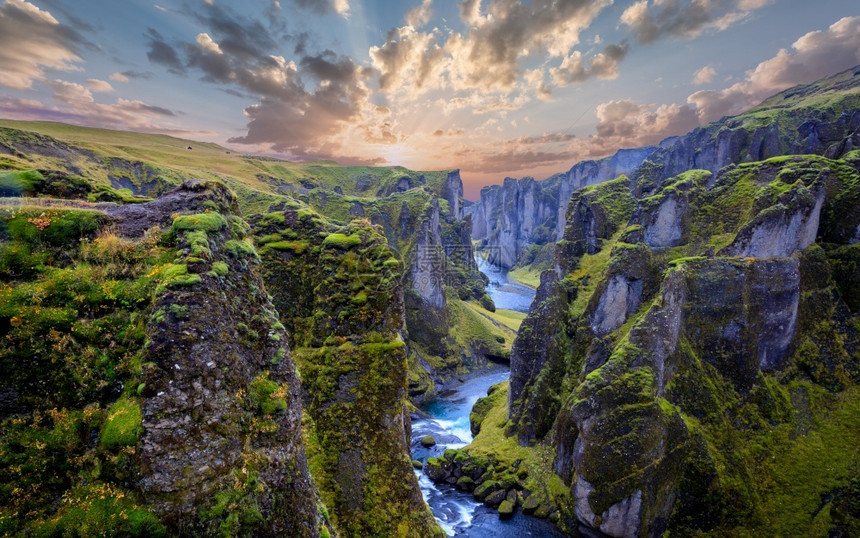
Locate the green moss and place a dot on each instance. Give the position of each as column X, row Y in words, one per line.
column 342, row 241
column 296, row 246
column 51, row 227
column 274, row 218
column 268, row 396
column 101, row 509
column 207, row 222
column 176, row 275
column 240, row 248
column 220, row 268
column 122, row 426
column 180, row 311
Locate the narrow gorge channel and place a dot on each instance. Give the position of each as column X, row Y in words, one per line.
column 447, row 421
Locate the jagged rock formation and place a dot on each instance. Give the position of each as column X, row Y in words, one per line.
column 175, row 407
column 340, row 295
column 453, row 193
column 522, row 212
column 679, row 344
column 822, row 118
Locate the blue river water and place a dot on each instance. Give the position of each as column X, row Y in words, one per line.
column 448, row 422
column 505, row 292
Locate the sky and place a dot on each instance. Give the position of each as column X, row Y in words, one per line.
column 495, row 88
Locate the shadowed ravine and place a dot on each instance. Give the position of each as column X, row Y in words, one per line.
column 447, row 421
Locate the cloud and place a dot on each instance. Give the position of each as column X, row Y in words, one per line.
column 322, row 7
column 101, row 86
column 650, row 20
column 815, row 55
column 603, row 65
column 78, row 106
column 704, row 75
column 31, row 40
column 490, row 57
column 420, row 15
column 623, row 123
column 510, row 160
column 160, row 52
column 408, row 60
column 125, row 76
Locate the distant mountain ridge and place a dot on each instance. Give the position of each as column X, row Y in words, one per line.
column 820, row 118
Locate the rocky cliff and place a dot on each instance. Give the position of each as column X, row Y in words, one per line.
column 148, row 387
column 822, row 118
column 340, row 295
column 518, row 213
column 703, row 340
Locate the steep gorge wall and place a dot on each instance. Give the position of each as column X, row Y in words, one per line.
column 340, row 294
column 679, row 344
column 509, row 217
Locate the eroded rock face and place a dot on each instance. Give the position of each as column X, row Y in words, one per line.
column 780, row 230
column 664, row 228
column 504, row 217
column 427, row 268
column 621, row 298
column 342, row 291
column 453, row 193
column 203, row 382
column 539, row 341
column 522, row 212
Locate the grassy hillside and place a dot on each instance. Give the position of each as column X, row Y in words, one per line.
column 151, row 164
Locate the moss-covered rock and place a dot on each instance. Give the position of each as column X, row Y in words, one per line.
column 341, row 301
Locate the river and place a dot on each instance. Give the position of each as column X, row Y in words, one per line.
column 448, row 422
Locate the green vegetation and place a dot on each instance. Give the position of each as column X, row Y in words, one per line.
column 342, row 241
column 122, row 425
column 267, row 395
column 206, row 222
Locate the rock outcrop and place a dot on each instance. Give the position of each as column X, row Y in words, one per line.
column 674, row 333
column 524, row 212
column 340, row 293
column 193, row 442
column 175, row 402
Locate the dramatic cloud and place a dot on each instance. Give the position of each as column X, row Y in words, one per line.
column 704, row 75
column 408, row 60
column 31, row 40
column 490, row 57
column 815, row 55
column 341, row 7
column 650, row 20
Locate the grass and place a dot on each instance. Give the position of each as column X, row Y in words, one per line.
column 260, row 177
column 470, row 323
column 526, row 276
column 791, row 481
column 509, row 318
column 491, row 440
